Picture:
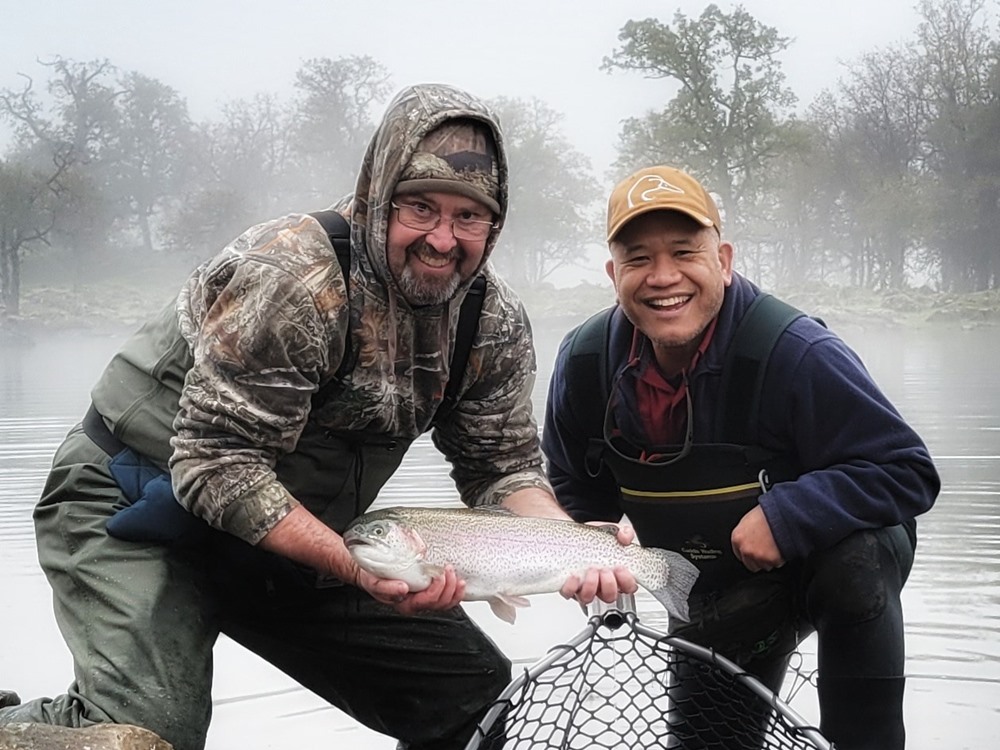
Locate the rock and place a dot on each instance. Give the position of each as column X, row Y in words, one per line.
column 97, row 737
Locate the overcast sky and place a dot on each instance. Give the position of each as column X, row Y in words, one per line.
column 212, row 51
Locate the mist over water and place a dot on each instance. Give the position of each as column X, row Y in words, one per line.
column 943, row 380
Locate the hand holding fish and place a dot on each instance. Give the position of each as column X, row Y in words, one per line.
column 503, row 557
column 444, row 592
column 603, row 583
column 300, row 536
column 597, row 582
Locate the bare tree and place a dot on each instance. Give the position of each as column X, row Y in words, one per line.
column 29, row 200
column 146, row 163
column 47, row 174
column 958, row 77
column 553, row 195
column 871, row 134
column 236, row 177
column 332, row 122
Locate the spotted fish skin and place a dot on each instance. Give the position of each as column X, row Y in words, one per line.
column 504, row 557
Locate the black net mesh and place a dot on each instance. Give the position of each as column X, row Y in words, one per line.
column 620, row 684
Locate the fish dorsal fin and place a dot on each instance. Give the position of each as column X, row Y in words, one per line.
column 494, row 509
column 505, row 606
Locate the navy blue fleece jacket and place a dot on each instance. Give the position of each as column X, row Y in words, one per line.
column 860, row 464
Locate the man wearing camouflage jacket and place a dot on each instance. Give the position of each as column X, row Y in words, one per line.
column 272, row 450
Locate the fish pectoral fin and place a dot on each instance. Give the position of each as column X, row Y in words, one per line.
column 505, row 606
column 416, row 541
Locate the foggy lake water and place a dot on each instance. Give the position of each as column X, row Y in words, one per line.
column 944, row 380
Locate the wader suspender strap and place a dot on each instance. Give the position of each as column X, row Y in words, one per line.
column 589, row 381
column 742, row 380
column 339, row 231
column 465, row 333
column 745, row 365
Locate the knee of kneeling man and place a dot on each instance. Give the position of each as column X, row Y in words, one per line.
column 851, row 581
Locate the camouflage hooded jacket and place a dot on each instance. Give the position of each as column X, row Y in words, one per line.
column 228, row 376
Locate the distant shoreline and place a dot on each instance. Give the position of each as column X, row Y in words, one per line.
column 112, row 308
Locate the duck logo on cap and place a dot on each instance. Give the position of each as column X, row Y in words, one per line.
column 655, row 183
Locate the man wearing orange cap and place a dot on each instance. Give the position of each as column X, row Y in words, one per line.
column 731, row 428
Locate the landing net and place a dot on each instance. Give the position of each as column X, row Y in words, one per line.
column 620, row 684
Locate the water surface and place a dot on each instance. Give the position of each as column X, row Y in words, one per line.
column 943, row 381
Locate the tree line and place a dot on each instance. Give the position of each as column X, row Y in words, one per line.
column 890, row 176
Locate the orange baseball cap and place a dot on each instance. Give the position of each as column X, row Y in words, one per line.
column 660, row 188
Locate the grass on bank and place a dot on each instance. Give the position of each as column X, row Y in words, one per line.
column 116, row 292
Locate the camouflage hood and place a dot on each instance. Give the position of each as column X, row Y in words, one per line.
column 411, row 115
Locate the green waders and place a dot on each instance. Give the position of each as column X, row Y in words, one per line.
column 141, row 620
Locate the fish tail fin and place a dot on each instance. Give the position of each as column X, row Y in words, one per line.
column 674, row 587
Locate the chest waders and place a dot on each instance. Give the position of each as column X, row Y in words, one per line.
column 690, row 499
column 338, row 476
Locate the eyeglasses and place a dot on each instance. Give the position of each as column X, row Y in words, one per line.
column 464, row 226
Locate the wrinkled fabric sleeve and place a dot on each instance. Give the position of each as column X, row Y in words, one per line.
column 565, row 442
column 491, row 436
column 864, row 466
column 261, row 343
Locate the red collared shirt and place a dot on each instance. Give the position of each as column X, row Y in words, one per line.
column 660, row 400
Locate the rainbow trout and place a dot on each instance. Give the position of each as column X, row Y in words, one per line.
column 504, row 557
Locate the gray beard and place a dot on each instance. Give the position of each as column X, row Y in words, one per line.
column 419, row 292
column 422, row 291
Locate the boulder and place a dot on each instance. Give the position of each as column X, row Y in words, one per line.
column 97, row 737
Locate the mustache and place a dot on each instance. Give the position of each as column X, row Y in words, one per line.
column 418, row 247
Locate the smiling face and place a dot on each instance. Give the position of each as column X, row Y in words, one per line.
column 429, row 266
column 670, row 275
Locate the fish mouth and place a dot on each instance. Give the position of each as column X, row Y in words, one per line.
column 354, row 542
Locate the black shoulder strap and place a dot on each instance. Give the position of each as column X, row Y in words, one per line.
column 588, row 381
column 745, row 365
column 339, row 231
column 587, row 377
column 465, row 334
